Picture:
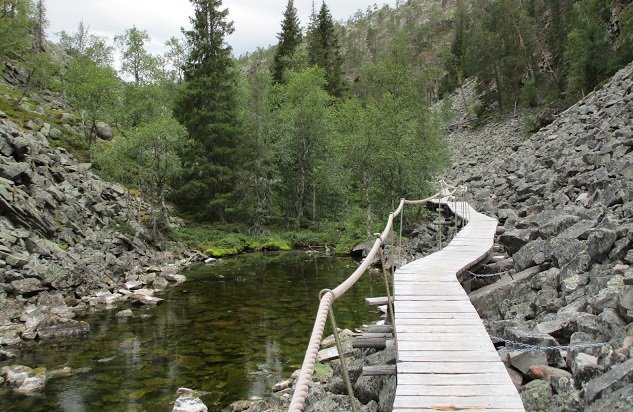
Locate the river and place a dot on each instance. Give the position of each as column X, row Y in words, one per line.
column 231, row 331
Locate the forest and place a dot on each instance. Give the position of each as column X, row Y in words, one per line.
column 328, row 129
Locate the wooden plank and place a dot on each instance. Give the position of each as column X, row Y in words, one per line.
column 377, row 301
column 443, row 329
column 464, row 338
column 379, row 370
column 500, row 390
column 433, row 315
column 433, row 298
column 446, row 356
column 457, row 368
column 479, row 379
column 471, row 320
column 490, row 402
column 420, row 409
column 418, row 345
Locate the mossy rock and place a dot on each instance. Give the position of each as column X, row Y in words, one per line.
column 322, row 372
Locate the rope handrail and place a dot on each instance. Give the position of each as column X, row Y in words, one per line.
column 328, row 297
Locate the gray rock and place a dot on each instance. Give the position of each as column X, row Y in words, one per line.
column 514, row 240
column 584, row 368
column 27, row 286
column 536, row 395
column 387, row 395
column 125, row 313
column 57, row 327
column 188, row 401
column 15, row 375
column 616, row 378
column 527, row 256
column 367, row 388
column 523, row 361
column 10, row 334
column 599, row 243
column 104, row 131
column 620, row 400
column 55, row 133
column 516, row 334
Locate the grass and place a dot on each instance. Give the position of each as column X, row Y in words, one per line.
column 222, row 240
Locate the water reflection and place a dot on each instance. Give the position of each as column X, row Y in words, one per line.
column 231, row 331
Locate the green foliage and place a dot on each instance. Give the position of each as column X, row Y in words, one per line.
column 84, row 44
column 93, row 90
column 300, row 126
column 289, row 40
column 16, row 27
column 207, row 107
column 135, row 60
column 588, row 52
column 324, row 51
column 259, row 175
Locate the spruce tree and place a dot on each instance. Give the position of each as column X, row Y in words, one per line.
column 289, row 40
column 324, row 51
column 207, row 107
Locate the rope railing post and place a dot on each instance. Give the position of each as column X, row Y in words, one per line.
column 341, row 356
column 439, row 224
column 393, row 253
column 390, row 302
column 400, row 236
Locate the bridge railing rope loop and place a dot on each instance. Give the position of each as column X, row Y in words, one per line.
column 327, row 298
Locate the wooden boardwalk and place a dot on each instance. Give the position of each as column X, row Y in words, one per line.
column 446, row 360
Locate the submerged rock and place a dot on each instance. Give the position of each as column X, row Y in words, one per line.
column 188, row 401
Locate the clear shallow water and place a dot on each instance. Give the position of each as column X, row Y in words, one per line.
column 232, row 330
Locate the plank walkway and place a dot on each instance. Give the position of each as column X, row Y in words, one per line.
column 446, row 360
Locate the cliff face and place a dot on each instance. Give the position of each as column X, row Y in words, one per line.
column 68, row 240
column 564, row 199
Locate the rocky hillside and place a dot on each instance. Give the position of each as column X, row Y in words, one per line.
column 68, row 240
column 564, row 199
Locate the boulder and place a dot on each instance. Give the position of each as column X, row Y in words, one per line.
column 584, row 368
column 104, row 131
column 188, row 401
column 517, row 334
column 55, row 326
column 536, row 395
column 27, row 286
column 599, row 243
column 620, row 400
column 10, row 334
column 616, row 378
column 532, row 254
column 367, row 388
column 524, row 361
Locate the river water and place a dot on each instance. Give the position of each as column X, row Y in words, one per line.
column 231, row 331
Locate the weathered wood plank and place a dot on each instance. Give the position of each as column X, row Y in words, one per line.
column 446, row 356
column 480, row 379
column 446, row 345
column 377, row 301
column 500, row 390
column 458, row 368
column 379, row 370
column 446, row 402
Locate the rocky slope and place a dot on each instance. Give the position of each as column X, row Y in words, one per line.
column 564, row 199
column 68, row 240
